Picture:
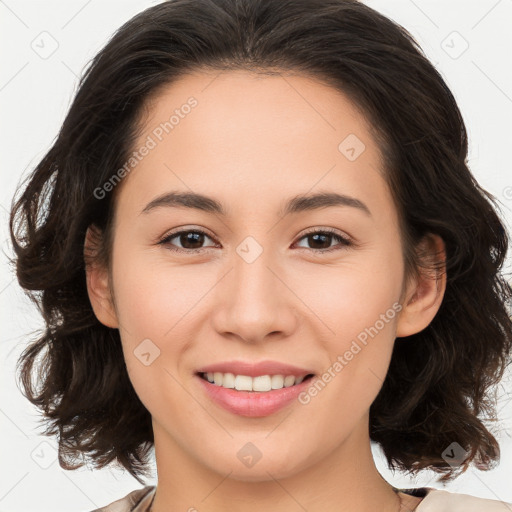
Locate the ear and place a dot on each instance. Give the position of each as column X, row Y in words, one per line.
column 98, row 280
column 424, row 294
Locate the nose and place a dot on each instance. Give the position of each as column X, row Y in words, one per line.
column 253, row 301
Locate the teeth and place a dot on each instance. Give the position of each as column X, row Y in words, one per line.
column 289, row 381
column 228, row 381
column 246, row 383
column 262, row 383
column 277, row 381
column 242, row 383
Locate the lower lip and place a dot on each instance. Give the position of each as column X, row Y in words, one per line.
column 253, row 404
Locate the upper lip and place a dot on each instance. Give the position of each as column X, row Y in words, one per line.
column 255, row 369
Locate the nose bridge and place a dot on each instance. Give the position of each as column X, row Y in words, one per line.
column 253, row 284
column 253, row 279
column 254, row 302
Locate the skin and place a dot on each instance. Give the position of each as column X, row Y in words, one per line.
column 251, row 143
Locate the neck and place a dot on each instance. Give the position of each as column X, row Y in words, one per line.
column 346, row 480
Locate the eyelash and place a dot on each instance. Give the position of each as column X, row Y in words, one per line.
column 343, row 241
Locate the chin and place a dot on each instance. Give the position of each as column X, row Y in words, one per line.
column 267, row 468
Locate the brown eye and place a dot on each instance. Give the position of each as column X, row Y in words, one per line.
column 320, row 241
column 190, row 240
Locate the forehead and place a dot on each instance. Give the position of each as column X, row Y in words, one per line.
column 263, row 136
column 245, row 106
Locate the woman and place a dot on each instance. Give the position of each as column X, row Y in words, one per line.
column 258, row 248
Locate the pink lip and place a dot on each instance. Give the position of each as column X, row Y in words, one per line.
column 255, row 369
column 253, row 403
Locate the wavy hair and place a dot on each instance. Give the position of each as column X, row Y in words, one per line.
column 438, row 387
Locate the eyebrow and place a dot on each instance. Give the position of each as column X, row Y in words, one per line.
column 297, row 204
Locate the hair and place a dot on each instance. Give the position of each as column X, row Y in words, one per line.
column 437, row 390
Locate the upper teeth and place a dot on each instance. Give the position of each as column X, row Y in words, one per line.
column 247, row 383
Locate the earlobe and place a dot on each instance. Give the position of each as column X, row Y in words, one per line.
column 425, row 293
column 98, row 281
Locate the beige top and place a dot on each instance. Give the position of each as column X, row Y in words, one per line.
column 434, row 501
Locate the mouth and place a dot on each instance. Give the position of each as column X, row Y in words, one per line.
column 257, row 384
column 253, row 396
column 254, row 388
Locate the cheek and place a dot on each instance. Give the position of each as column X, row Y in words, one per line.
column 359, row 359
column 157, row 306
column 361, row 308
column 152, row 296
column 150, row 307
column 353, row 296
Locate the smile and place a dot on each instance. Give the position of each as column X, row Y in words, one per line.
column 261, row 383
column 260, row 401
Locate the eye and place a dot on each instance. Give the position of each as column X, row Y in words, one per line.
column 191, row 240
column 323, row 238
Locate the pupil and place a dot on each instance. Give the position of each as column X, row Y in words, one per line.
column 320, row 241
column 191, row 237
column 315, row 238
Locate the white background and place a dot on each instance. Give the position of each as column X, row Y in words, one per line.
column 36, row 89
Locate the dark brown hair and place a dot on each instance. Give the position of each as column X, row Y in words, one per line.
column 437, row 390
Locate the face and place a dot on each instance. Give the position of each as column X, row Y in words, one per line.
column 258, row 273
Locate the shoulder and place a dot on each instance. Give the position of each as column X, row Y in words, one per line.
column 136, row 501
column 437, row 500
